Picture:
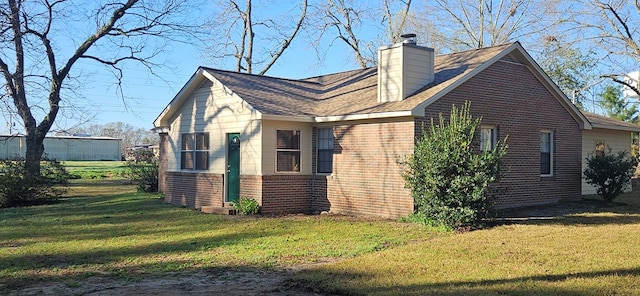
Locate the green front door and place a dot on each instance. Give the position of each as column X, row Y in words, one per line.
column 233, row 167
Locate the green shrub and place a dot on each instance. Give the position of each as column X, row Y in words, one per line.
column 247, row 206
column 143, row 168
column 16, row 189
column 610, row 173
column 448, row 176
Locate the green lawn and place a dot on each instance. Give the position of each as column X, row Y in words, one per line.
column 105, row 228
column 97, row 169
column 116, row 231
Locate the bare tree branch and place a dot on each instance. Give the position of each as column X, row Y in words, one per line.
column 29, row 31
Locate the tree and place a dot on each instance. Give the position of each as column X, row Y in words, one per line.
column 615, row 105
column 471, row 24
column 342, row 20
column 448, row 175
column 613, row 26
column 568, row 67
column 35, row 34
column 253, row 40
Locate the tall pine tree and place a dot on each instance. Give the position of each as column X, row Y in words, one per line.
column 616, row 106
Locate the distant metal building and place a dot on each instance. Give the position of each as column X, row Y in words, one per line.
column 65, row 147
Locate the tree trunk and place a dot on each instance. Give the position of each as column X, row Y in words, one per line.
column 33, row 155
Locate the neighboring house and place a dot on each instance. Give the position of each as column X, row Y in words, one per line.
column 606, row 133
column 65, row 147
column 331, row 143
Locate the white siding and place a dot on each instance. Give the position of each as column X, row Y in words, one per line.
column 212, row 110
column 390, row 75
column 616, row 140
column 403, row 69
column 269, row 147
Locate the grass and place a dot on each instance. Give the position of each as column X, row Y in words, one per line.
column 107, row 228
column 583, row 254
column 97, row 169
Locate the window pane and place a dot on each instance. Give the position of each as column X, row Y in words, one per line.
column 202, row 141
column 545, row 163
column 325, row 138
column 288, row 161
column 545, row 142
column 187, row 141
column 288, row 139
column 325, row 161
column 186, row 160
column 486, row 139
column 202, row 160
column 545, row 153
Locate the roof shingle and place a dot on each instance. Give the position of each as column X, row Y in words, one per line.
column 345, row 93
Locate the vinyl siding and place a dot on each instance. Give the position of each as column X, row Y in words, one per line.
column 616, row 140
column 269, row 145
column 212, row 110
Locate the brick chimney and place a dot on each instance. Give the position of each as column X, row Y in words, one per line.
column 403, row 68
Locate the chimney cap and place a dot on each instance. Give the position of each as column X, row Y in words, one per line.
column 409, row 38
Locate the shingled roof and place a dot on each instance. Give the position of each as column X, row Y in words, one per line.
column 600, row 121
column 345, row 93
column 353, row 94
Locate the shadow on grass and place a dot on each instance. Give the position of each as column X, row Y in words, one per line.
column 364, row 284
column 590, row 210
column 101, row 229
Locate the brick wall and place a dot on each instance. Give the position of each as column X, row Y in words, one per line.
column 508, row 96
column 251, row 186
column 286, row 194
column 194, row 189
column 366, row 178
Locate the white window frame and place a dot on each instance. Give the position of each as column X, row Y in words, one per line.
column 493, row 141
column 319, row 145
column 299, row 150
column 551, row 152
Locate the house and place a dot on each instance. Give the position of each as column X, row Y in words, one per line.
column 331, row 143
column 606, row 133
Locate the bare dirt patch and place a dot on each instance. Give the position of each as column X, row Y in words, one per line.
column 219, row 282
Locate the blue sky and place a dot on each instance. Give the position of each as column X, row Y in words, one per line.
column 97, row 99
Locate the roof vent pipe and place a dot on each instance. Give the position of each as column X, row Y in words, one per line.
column 409, row 38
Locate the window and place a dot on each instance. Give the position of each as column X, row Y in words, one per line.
column 488, row 138
column 325, row 150
column 599, row 147
column 194, row 154
column 287, row 151
column 546, row 153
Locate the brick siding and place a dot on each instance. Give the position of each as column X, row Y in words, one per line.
column 510, row 97
column 286, row 194
column 194, row 189
column 366, row 178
